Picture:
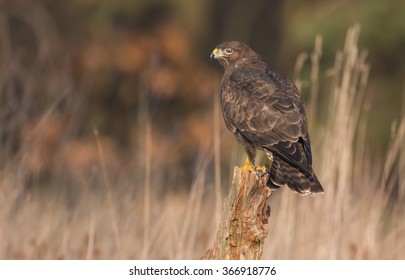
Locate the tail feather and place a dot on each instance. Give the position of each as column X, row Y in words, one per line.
column 281, row 173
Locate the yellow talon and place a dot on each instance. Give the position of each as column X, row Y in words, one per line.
column 248, row 166
column 261, row 168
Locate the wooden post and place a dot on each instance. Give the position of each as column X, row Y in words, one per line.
column 244, row 222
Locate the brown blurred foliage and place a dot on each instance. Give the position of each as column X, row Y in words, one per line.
column 118, row 66
column 115, row 81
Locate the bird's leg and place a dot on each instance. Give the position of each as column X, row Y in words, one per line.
column 258, row 170
column 261, row 170
column 251, row 154
column 266, row 167
column 268, row 163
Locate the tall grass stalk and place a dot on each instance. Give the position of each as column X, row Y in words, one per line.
column 350, row 220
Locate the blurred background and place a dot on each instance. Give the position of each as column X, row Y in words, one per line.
column 113, row 144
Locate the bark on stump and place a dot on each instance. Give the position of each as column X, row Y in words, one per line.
column 244, row 222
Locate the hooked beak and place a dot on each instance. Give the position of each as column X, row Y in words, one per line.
column 216, row 54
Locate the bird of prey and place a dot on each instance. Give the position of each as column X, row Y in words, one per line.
column 265, row 110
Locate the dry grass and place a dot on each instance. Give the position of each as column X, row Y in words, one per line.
column 359, row 217
column 101, row 207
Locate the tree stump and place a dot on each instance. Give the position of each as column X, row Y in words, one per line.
column 244, row 222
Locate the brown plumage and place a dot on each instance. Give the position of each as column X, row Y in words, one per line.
column 265, row 110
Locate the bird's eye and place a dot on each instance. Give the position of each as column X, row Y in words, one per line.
column 228, row 51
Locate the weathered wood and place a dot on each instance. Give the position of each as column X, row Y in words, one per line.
column 244, row 222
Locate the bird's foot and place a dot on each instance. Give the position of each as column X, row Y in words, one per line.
column 261, row 171
column 248, row 166
column 258, row 170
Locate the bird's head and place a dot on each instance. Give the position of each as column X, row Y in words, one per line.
column 231, row 52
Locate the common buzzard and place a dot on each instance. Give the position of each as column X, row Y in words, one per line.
column 265, row 110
